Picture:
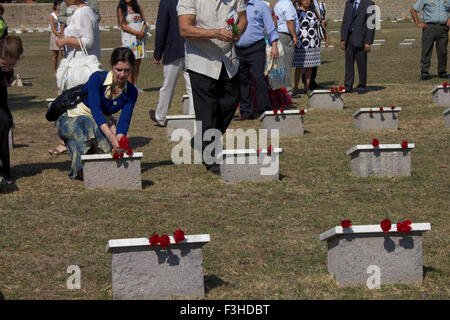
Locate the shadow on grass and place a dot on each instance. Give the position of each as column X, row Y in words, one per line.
column 147, row 183
column 2, row 297
column 139, row 142
column 151, row 89
column 32, row 169
column 371, row 88
column 21, row 102
column 4, row 189
column 326, row 84
column 150, row 165
column 428, row 269
column 212, row 282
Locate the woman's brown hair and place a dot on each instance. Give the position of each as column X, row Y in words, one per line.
column 123, row 54
column 11, row 47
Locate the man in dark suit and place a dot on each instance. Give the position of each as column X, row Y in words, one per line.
column 170, row 44
column 356, row 39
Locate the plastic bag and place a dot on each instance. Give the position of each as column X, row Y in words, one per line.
column 276, row 76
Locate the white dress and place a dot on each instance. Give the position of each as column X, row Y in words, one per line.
column 83, row 24
column 134, row 21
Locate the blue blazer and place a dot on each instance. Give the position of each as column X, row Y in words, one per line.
column 101, row 106
column 168, row 41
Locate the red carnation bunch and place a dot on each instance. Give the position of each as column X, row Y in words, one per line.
column 386, row 225
column 124, row 144
column 404, row 226
column 164, row 240
column 332, row 90
column 346, row 223
column 342, row 89
column 375, row 142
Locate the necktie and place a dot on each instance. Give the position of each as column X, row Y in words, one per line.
column 355, row 7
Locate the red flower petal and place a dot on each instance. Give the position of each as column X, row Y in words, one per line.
column 129, row 152
column 375, row 142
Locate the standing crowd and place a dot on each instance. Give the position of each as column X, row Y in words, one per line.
column 221, row 47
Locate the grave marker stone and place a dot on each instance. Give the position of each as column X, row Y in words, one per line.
column 441, row 96
column 288, row 122
column 374, row 119
column 324, row 99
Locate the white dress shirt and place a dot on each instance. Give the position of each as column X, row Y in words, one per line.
column 285, row 11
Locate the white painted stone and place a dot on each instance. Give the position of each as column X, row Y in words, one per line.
column 351, row 251
column 386, row 160
column 101, row 171
column 324, row 99
column 441, row 96
column 245, row 165
column 409, row 40
column 288, row 123
column 141, row 271
column 185, row 104
column 180, row 122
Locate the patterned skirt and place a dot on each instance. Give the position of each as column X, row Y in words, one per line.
column 80, row 134
column 306, row 57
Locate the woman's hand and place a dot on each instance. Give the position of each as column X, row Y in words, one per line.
column 60, row 42
column 327, row 43
column 140, row 35
column 274, row 52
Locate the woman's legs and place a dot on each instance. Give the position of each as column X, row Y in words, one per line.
column 55, row 61
column 308, row 72
column 136, row 71
column 298, row 76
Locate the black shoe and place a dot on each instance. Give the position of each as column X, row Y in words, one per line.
column 361, row 89
column 444, row 76
column 348, row 90
column 424, row 77
column 152, row 114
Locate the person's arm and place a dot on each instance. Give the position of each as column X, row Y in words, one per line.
column 344, row 25
column 242, row 24
column 123, row 25
column 291, row 27
column 127, row 111
column 421, row 25
column 144, row 25
column 52, row 26
column 161, row 31
column 188, row 30
column 272, row 33
column 370, row 35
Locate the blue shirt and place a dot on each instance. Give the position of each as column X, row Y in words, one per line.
column 258, row 17
column 285, row 11
column 434, row 11
column 101, row 106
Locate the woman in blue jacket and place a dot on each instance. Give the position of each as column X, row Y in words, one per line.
column 90, row 127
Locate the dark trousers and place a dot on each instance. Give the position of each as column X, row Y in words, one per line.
column 215, row 101
column 434, row 33
column 5, row 126
column 359, row 55
column 253, row 58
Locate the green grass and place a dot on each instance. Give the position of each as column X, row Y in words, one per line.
column 264, row 236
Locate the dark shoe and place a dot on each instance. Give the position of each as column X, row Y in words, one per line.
column 361, row 89
column 444, row 76
column 348, row 90
column 4, row 181
column 152, row 114
column 424, row 77
column 243, row 118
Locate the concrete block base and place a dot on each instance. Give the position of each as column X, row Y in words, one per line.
column 246, row 165
column 441, row 96
column 185, row 104
column 447, row 117
column 351, row 251
column 324, row 99
column 382, row 161
column 289, row 123
column 374, row 119
column 180, row 122
column 144, row 272
column 101, row 171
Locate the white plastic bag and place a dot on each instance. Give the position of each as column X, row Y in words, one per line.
column 76, row 70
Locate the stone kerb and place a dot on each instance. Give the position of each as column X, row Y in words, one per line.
column 351, row 251
column 447, row 117
column 324, row 99
column 375, row 119
column 101, row 171
column 186, row 121
column 247, row 165
column 144, row 272
column 441, row 96
column 288, row 122
column 185, row 104
column 386, row 160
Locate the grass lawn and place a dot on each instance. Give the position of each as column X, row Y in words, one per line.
column 264, row 236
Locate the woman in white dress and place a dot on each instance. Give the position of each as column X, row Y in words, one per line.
column 57, row 32
column 84, row 25
column 131, row 20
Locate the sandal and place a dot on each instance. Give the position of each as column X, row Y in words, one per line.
column 4, row 181
column 57, row 151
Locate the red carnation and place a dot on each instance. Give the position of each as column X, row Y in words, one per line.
column 115, row 156
column 269, row 151
column 302, row 112
column 281, row 110
column 445, row 84
column 404, row 226
column 370, row 111
column 375, row 142
column 346, row 223
column 332, row 90
column 381, row 109
column 258, row 151
column 386, row 225
column 275, row 111
column 278, row 18
column 124, row 143
column 129, row 152
column 392, row 107
column 154, row 240
column 179, row 235
column 404, row 144
column 164, row 241
column 230, row 21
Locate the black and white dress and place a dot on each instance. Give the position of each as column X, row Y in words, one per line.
column 307, row 52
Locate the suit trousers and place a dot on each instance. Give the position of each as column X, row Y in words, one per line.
column 353, row 53
column 253, row 58
column 215, row 101
column 434, row 33
column 288, row 47
column 171, row 72
column 5, row 126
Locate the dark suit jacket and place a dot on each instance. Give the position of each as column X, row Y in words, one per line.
column 361, row 34
column 168, row 42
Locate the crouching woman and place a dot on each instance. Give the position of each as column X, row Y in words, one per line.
column 90, row 127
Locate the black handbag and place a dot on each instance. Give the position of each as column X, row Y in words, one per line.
column 65, row 101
